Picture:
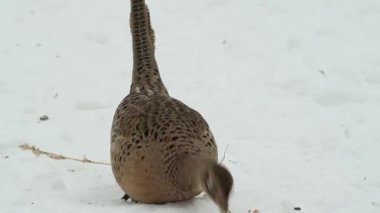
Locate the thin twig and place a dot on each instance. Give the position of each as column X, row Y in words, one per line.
column 37, row 152
column 224, row 154
column 234, row 162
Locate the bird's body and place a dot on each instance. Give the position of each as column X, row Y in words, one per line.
column 152, row 136
column 161, row 149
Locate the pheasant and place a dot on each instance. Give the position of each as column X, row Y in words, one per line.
column 161, row 149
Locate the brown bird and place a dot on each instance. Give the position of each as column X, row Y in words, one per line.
column 161, row 150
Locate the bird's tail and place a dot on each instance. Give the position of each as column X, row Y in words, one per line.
column 146, row 76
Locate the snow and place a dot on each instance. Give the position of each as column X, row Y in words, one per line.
column 293, row 87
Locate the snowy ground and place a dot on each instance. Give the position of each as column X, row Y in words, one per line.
column 292, row 86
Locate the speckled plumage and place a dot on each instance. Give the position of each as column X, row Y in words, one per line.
column 161, row 149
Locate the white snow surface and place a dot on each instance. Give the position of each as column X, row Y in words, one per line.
column 293, row 87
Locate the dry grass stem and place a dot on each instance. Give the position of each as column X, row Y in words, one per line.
column 38, row 152
column 224, row 154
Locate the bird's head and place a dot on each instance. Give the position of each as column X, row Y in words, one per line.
column 217, row 183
